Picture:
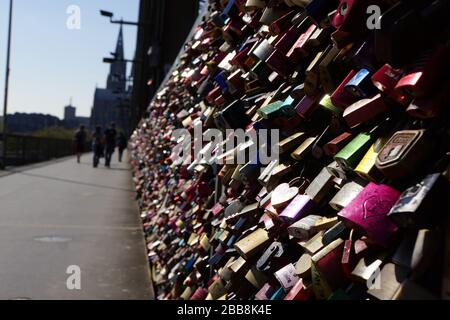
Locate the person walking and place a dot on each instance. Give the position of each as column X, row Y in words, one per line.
column 121, row 144
column 110, row 143
column 97, row 145
column 80, row 142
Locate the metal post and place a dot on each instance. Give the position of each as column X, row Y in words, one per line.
column 5, row 102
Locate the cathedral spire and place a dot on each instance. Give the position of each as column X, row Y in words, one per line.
column 118, row 70
column 119, row 45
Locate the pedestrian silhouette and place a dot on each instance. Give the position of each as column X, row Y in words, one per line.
column 121, row 144
column 80, row 142
column 97, row 145
column 110, row 143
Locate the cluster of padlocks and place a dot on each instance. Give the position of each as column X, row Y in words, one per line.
column 346, row 197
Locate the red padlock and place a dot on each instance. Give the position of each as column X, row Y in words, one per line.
column 426, row 73
column 341, row 98
column 364, row 110
column 298, row 50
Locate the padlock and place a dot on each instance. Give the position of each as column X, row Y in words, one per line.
column 291, row 142
column 416, row 252
column 306, row 107
column 415, row 207
column 341, row 98
column 368, row 212
column 188, row 292
column 239, row 267
column 304, row 149
column 217, row 289
column 320, row 186
column 328, row 273
column 271, row 14
column 303, row 266
column 249, row 172
column 263, row 50
column 334, row 146
column 287, row 40
column 266, row 292
column 199, row 294
column 278, row 62
column 260, row 71
column 256, row 278
column 388, row 282
column 367, row 268
column 312, row 75
column 270, row 259
column 282, row 195
column 306, row 227
column 254, row 4
column 427, row 71
column 252, row 244
column 351, row 15
column 367, row 169
column 287, row 277
column 300, row 49
column 228, row 116
column 299, row 207
column 298, row 292
column 282, row 23
column 364, row 110
column 318, row 10
column 288, row 107
column 318, row 37
column 404, row 153
column 328, row 71
column 271, row 110
column 385, row 80
column 278, row 295
column 313, row 245
column 346, row 195
column 327, row 104
column 349, row 157
column 335, row 232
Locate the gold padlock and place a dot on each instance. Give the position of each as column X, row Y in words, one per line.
column 366, row 169
column 252, row 244
column 301, row 152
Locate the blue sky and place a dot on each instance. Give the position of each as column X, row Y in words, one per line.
column 51, row 63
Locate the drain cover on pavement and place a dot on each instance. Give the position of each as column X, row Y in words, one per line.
column 52, row 239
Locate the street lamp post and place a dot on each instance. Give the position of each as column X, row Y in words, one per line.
column 7, row 71
column 121, row 21
column 112, row 60
column 140, row 25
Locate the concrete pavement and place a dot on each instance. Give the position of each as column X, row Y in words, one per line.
column 58, row 214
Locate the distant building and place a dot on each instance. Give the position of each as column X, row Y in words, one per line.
column 69, row 113
column 27, row 123
column 71, row 120
column 30, row 122
column 112, row 104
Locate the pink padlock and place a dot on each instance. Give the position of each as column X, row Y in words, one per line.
column 368, row 212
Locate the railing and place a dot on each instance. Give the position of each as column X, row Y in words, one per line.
column 22, row 149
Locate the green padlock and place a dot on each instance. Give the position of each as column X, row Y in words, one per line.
column 327, row 104
column 270, row 110
column 349, row 157
column 278, row 109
